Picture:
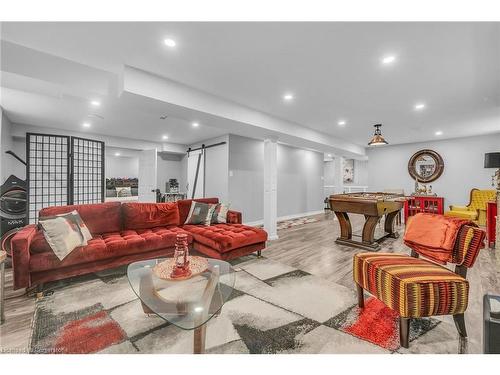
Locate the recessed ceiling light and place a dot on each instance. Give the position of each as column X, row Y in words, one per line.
column 165, row 137
column 95, row 103
column 329, row 155
column 439, row 132
column 341, row 123
column 419, row 106
column 389, row 59
column 117, row 154
column 170, row 42
column 195, row 124
column 86, row 124
column 288, row 97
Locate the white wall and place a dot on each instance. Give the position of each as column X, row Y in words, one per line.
column 10, row 165
column 5, row 145
column 167, row 169
column 463, row 166
column 360, row 173
column 121, row 166
column 17, row 168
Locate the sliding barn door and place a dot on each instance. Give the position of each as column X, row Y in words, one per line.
column 87, row 171
column 47, row 172
column 147, row 175
column 196, row 174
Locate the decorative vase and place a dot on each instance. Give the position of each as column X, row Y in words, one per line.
column 181, row 257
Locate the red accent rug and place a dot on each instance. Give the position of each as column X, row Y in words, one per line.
column 379, row 324
column 85, row 331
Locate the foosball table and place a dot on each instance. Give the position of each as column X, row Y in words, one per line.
column 373, row 206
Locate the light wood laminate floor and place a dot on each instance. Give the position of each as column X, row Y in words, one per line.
column 309, row 247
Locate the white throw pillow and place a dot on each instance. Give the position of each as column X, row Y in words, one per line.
column 219, row 215
column 64, row 233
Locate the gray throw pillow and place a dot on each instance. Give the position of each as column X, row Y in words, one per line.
column 200, row 213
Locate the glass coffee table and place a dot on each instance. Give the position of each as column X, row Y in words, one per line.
column 188, row 304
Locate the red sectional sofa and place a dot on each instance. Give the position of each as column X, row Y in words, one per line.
column 124, row 233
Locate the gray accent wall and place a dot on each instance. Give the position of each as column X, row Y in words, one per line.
column 246, row 177
column 463, row 166
column 300, row 179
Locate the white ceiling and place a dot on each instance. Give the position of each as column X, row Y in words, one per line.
column 125, row 117
column 43, row 90
column 333, row 69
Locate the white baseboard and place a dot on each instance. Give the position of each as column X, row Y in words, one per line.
column 287, row 217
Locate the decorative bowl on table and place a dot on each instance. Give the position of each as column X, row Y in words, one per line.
column 166, row 269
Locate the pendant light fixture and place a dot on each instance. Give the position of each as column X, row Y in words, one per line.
column 377, row 139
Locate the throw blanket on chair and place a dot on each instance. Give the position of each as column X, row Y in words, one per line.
column 434, row 236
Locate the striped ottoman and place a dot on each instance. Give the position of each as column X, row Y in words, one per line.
column 413, row 287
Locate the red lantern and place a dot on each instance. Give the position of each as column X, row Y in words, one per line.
column 181, row 257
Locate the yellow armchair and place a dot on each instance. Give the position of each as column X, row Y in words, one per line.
column 476, row 209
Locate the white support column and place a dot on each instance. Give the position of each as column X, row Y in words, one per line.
column 339, row 174
column 270, row 187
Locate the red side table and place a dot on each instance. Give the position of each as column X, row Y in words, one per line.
column 491, row 222
column 423, row 203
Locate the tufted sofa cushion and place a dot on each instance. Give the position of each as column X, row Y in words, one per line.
column 149, row 215
column 111, row 245
column 99, row 217
column 224, row 237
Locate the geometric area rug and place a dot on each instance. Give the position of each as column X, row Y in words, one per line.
column 274, row 308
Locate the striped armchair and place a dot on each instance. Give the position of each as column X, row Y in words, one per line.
column 418, row 288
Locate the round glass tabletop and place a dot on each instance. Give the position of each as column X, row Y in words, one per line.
column 189, row 303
